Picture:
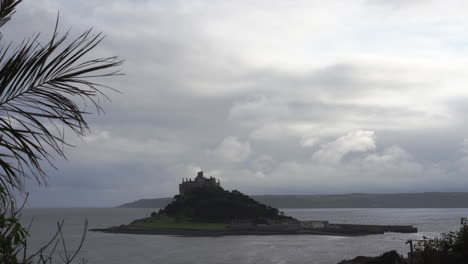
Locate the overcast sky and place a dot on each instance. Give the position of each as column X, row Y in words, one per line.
column 271, row 97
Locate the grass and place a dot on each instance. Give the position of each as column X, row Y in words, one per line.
column 171, row 223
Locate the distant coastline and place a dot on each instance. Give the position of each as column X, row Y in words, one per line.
column 355, row 200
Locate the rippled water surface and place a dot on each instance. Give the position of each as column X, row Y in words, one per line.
column 119, row 248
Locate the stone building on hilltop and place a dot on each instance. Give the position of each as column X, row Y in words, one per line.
column 199, row 182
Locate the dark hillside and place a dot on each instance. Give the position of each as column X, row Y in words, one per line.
column 218, row 205
column 396, row 200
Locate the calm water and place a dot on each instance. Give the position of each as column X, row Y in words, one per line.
column 119, row 248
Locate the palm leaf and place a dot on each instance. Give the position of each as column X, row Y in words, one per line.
column 38, row 86
column 7, row 8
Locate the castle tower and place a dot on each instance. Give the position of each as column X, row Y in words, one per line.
column 199, row 182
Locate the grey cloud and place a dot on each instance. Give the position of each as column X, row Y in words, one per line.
column 184, row 93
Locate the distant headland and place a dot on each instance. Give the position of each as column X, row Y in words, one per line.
column 204, row 208
column 355, row 200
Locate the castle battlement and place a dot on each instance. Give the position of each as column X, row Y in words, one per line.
column 199, row 182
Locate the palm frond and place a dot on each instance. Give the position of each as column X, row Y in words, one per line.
column 7, row 8
column 38, row 86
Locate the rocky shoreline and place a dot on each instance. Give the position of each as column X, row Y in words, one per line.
column 207, row 233
column 331, row 230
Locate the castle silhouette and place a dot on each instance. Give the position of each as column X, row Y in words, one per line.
column 200, row 181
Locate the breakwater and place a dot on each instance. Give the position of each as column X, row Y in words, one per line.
column 369, row 229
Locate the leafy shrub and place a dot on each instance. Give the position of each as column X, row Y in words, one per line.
column 449, row 248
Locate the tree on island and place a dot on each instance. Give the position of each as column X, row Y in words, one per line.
column 39, row 85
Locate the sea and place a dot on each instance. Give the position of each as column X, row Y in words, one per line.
column 280, row 249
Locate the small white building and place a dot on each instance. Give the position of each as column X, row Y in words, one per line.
column 314, row 224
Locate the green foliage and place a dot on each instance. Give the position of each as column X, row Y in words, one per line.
column 218, row 205
column 39, row 85
column 389, row 257
column 449, row 248
column 12, row 237
column 172, row 223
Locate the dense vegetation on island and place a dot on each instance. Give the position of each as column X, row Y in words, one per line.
column 219, row 205
column 400, row 200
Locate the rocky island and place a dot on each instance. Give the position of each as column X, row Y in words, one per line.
column 204, row 208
